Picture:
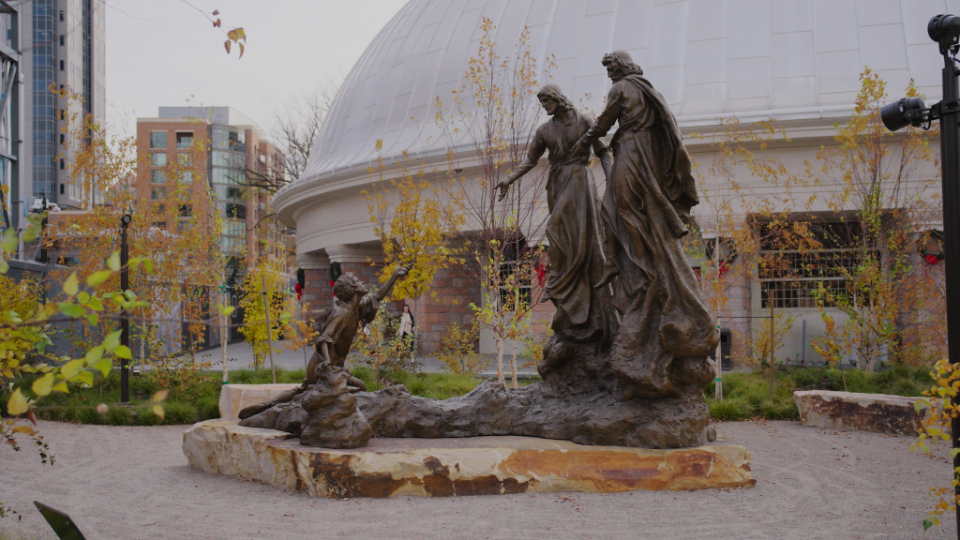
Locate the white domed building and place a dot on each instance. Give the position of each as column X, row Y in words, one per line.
column 796, row 61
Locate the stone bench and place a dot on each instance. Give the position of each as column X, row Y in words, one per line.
column 234, row 397
column 881, row 413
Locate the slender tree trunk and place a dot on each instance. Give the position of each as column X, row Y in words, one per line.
column 266, row 312
column 143, row 341
column 224, row 301
column 500, row 346
column 513, row 365
column 718, row 377
column 772, row 348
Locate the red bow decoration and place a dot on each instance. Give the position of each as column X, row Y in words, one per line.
column 723, row 267
column 299, row 290
column 931, row 259
column 541, row 272
column 332, row 283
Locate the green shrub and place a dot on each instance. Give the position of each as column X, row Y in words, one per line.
column 368, row 377
column 906, row 387
column 416, row 386
column 243, row 376
column 295, row 376
column 146, row 417
column 119, row 416
column 88, row 415
column 208, row 409
column 730, row 409
column 49, row 413
column 69, row 414
column 178, row 414
column 779, row 410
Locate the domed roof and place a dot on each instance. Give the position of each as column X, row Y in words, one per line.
column 787, row 59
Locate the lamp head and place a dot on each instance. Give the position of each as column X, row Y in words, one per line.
column 903, row 113
column 126, row 219
column 945, row 30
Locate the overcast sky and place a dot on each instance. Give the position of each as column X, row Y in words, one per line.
column 164, row 52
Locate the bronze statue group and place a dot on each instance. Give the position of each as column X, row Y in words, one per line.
column 629, row 356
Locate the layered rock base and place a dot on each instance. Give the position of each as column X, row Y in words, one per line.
column 457, row 466
column 881, row 413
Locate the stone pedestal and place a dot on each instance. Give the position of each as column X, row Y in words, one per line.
column 458, row 466
column 234, row 397
column 881, row 413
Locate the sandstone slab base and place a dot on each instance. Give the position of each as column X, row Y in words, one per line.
column 452, row 466
column 881, row 413
column 234, row 397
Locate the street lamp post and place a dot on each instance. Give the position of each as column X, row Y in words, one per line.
column 945, row 30
column 124, row 315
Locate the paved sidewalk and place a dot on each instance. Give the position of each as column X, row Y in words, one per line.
column 133, row 483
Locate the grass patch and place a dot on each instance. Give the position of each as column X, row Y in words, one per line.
column 746, row 395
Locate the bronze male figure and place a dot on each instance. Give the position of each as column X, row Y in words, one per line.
column 666, row 331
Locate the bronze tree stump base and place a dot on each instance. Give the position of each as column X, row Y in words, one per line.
column 389, row 467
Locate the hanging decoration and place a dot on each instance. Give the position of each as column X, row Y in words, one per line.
column 301, row 281
column 541, row 273
column 929, row 256
column 335, row 273
column 727, row 255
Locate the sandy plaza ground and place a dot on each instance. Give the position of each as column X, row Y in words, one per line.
column 134, row 483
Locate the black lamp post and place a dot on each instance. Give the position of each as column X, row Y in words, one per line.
column 945, row 30
column 124, row 315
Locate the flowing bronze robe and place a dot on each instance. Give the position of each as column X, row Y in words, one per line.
column 584, row 315
column 665, row 331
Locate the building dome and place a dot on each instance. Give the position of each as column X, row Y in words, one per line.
column 792, row 60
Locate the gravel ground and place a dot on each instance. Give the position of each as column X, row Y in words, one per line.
column 133, row 483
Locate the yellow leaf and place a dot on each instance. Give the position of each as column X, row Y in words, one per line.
column 70, row 286
column 17, row 404
column 61, row 387
column 97, row 278
column 27, row 430
column 113, row 262
column 226, row 45
column 160, row 396
column 85, row 377
column 70, row 369
column 158, row 410
column 43, row 385
column 93, row 355
column 104, row 365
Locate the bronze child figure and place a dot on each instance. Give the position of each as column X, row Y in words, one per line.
column 353, row 307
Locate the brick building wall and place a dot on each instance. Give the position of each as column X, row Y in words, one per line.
column 447, row 302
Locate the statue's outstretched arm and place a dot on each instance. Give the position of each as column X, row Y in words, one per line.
column 534, row 153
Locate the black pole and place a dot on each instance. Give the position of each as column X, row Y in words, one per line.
column 950, row 164
column 124, row 318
